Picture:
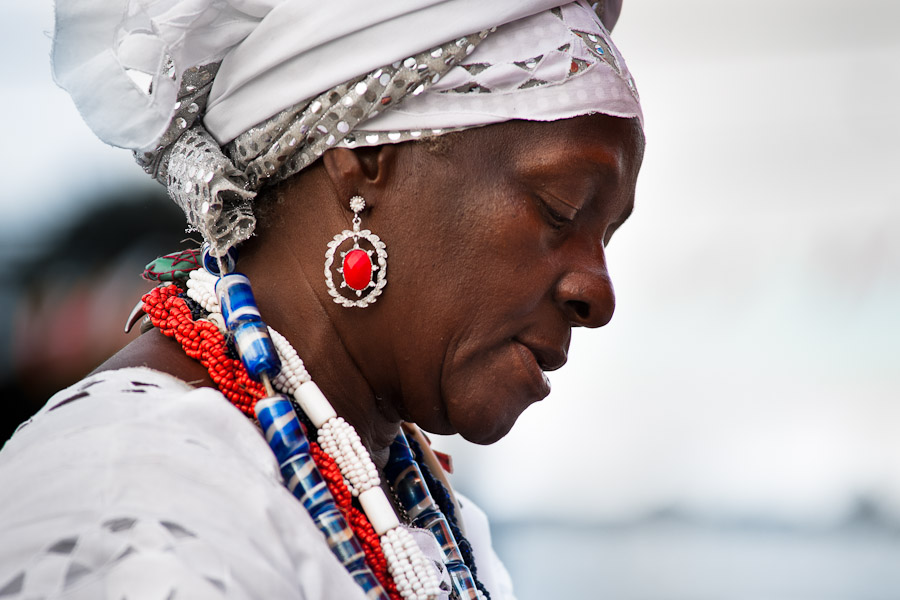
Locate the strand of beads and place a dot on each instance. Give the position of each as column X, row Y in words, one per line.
column 295, row 378
column 285, row 435
column 414, row 577
column 250, row 334
column 169, row 312
column 358, row 522
column 294, row 373
column 200, row 284
column 403, row 470
column 340, row 440
column 202, row 341
column 445, row 505
column 202, row 294
column 260, row 358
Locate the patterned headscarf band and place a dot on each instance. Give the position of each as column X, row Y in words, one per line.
column 215, row 190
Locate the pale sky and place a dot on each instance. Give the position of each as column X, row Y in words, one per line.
column 753, row 365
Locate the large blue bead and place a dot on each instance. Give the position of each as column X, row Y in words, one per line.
column 413, row 494
column 251, row 336
column 236, row 299
column 256, row 349
column 281, row 427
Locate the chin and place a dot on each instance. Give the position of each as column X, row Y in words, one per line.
column 482, row 399
column 485, row 438
column 488, row 421
column 479, row 434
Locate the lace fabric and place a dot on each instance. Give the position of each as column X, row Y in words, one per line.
column 131, row 480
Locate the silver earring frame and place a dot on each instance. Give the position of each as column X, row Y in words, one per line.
column 379, row 265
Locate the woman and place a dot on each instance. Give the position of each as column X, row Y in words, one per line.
column 487, row 169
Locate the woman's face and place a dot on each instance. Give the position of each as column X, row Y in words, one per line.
column 496, row 250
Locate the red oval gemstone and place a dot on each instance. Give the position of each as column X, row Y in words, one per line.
column 357, row 269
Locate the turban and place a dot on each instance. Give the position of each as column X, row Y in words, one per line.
column 219, row 97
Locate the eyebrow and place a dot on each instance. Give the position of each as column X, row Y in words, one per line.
column 598, row 165
column 597, row 155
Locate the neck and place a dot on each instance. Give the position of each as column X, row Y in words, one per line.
column 290, row 306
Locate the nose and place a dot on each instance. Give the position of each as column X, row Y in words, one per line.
column 585, row 294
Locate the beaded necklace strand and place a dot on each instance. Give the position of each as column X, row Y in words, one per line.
column 446, row 506
column 328, row 473
column 202, row 340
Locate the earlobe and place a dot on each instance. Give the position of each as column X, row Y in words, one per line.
column 360, row 170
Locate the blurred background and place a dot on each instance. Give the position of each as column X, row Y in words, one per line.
column 732, row 434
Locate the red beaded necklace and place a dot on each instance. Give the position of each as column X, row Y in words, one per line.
column 202, row 341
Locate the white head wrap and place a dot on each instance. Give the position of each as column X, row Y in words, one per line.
column 557, row 64
column 277, row 82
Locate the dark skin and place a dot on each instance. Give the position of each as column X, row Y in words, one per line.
column 496, row 249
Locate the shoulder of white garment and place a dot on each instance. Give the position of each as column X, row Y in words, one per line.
column 491, row 571
column 133, row 484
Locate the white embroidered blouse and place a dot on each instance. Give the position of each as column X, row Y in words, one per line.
column 132, row 484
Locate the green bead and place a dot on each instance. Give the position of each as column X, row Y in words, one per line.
column 172, row 267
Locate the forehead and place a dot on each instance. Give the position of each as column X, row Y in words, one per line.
column 596, row 138
column 599, row 146
column 591, row 136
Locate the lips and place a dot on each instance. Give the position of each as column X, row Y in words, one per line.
column 532, row 370
column 538, row 359
column 549, row 358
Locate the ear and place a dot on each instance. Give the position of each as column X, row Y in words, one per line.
column 363, row 171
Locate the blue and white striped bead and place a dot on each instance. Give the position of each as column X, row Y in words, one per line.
column 281, row 427
column 251, row 336
column 304, row 481
column 236, row 299
column 413, row 494
column 256, row 349
column 288, row 441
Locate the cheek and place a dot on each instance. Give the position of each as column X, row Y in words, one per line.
column 461, row 371
column 470, row 275
column 455, row 267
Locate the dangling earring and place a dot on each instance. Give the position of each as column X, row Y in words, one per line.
column 359, row 272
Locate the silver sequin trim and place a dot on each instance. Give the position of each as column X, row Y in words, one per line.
column 215, row 193
column 293, row 139
column 210, row 190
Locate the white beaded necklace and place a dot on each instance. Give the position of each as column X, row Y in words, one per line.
column 414, row 576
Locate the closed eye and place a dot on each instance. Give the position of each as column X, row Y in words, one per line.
column 556, row 217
